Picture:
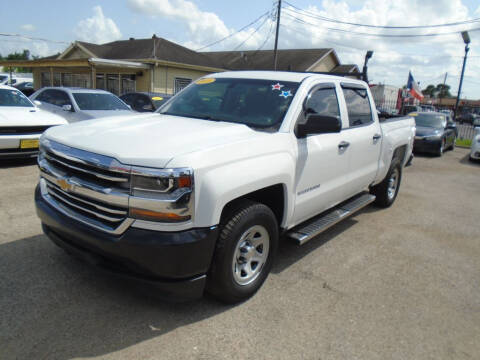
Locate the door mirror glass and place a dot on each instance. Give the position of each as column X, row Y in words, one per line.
column 67, row 107
column 319, row 124
column 38, row 103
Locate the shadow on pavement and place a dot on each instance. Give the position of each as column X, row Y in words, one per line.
column 55, row 307
column 11, row 163
column 466, row 161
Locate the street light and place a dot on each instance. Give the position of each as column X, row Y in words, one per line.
column 466, row 40
column 368, row 55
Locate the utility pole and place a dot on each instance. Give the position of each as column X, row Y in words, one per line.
column 279, row 9
column 466, row 40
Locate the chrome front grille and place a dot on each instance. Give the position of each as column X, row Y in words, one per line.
column 93, row 189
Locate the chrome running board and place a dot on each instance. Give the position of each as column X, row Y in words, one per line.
column 311, row 228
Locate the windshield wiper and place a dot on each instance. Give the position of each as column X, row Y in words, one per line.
column 201, row 117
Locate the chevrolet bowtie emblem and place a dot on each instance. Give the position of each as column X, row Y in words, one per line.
column 64, row 185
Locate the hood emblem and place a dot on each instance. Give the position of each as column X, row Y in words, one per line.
column 65, row 185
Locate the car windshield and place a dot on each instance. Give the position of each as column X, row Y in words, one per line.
column 253, row 102
column 13, row 98
column 97, row 101
column 430, row 120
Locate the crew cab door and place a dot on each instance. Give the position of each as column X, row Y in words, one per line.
column 364, row 136
column 322, row 160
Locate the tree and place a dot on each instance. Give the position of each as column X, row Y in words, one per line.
column 429, row 90
column 443, row 91
column 25, row 55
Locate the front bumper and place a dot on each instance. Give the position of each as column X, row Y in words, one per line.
column 426, row 145
column 10, row 146
column 173, row 264
column 475, row 154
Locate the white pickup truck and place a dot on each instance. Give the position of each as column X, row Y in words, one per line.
column 196, row 196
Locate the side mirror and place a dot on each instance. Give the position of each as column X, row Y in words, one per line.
column 36, row 102
column 67, row 107
column 451, row 125
column 319, row 124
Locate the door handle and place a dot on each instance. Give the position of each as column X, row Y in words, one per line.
column 376, row 137
column 343, row 145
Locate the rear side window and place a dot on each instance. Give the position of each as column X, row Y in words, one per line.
column 323, row 102
column 358, row 106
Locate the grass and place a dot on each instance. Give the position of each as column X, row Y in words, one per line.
column 463, row 142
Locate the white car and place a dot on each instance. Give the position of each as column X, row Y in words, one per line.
column 21, row 124
column 475, row 148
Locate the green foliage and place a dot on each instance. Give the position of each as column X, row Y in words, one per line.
column 440, row 91
column 25, row 55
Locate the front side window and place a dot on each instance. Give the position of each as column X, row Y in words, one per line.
column 358, row 106
column 60, row 98
column 93, row 101
column 13, row 98
column 253, row 102
column 323, row 102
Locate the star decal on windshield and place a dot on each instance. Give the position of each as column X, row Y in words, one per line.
column 277, row 86
column 286, row 94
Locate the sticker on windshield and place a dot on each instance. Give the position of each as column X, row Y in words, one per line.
column 413, row 114
column 205, row 81
column 286, row 94
column 157, row 98
column 277, row 86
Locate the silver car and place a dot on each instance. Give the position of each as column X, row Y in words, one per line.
column 76, row 104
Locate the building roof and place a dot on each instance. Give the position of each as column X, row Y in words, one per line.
column 154, row 48
column 291, row 59
column 347, row 68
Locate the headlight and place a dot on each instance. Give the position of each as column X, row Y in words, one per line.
column 164, row 195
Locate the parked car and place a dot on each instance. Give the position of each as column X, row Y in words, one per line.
column 468, row 118
column 195, row 196
column 447, row 112
column 145, row 101
column 427, row 108
column 21, row 124
column 76, row 104
column 434, row 133
column 475, row 148
column 410, row 108
column 5, row 80
column 25, row 87
column 476, row 121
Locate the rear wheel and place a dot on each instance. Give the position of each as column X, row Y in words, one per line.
column 386, row 192
column 244, row 252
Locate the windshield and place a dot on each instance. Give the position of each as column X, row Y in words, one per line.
column 13, row 98
column 430, row 120
column 256, row 103
column 94, row 101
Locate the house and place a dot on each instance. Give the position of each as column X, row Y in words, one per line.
column 160, row 65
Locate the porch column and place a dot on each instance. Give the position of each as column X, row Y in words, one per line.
column 119, row 84
column 94, row 77
column 51, row 76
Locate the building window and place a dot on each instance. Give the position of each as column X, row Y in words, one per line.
column 81, row 80
column 100, row 82
column 45, row 79
column 57, row 79
column 67, row 79
column 113, row 84
column 128, row 84
column 181, row 83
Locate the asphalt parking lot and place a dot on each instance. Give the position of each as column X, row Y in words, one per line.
column 400, row 283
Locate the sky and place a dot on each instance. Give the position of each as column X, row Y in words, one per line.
column 198, row 23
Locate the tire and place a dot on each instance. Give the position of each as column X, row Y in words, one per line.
column 386, row 191
column 453, row 145
column 441, row 148
column 244, row 252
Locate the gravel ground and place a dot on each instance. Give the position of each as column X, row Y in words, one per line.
column 400, row 283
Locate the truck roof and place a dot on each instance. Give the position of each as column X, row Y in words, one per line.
column 280, row 76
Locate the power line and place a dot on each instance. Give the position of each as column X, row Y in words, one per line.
column 377, row 34
column 323, row 18
column 253, row 33
column 234, row 33
column 33, row 38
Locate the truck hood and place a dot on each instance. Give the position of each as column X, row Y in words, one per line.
column 28, row 116
column 149, row 140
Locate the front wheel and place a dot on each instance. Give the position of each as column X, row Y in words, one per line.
column 244, row 252
column 441, row 148
column 386, row 191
